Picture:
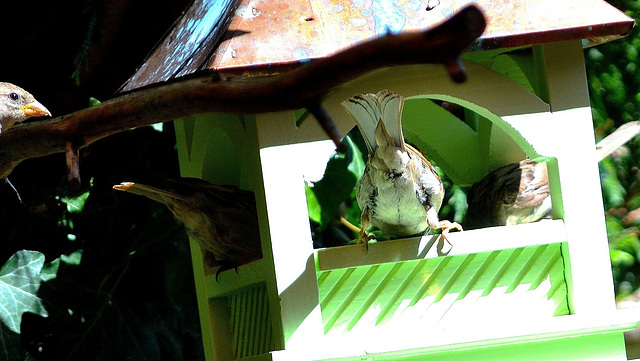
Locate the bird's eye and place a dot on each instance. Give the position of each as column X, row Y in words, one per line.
column 14, row 96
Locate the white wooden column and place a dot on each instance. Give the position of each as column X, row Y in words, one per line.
column 294, row 285
column 567, row 133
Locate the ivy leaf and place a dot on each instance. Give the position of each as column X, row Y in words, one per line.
column 76, row 204
column 19, row 282
column 358, row 161
column 315, row 210
column 50, row 270
column 337, row 184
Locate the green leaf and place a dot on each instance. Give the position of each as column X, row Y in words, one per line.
column 337, row 184
column 301, row 116
column 613, row 192
column 626, row 241
column 621, row 258
column 19, row 282
column 50, row 270
column 357, row 164
column 458, row 201
column 613, row 224
column 633, row 202
column 76, row 204
column 312, row 204
column 158, row 127
column 72, row 259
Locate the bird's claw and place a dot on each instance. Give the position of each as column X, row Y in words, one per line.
column 446, row 227
column 364, row 237
column 211, row 261
column 224, row 267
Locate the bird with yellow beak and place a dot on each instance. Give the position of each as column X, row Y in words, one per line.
column 17, row 105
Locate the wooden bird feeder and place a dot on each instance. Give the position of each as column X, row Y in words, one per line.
column 539, row 291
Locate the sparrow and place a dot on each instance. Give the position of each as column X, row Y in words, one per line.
column 222, row 219
column 512, row 194
column 519, row 192
column 400, row 192
column 17, row 105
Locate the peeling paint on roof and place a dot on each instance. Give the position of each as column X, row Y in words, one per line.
column 261, row 36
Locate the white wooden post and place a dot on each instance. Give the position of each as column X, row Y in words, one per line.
column 294, row 286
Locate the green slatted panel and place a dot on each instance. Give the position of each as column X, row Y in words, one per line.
column 526, row 282
column 250, row 322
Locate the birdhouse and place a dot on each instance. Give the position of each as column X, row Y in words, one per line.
column 538, row 291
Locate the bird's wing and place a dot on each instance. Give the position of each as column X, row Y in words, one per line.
column 490, row 197
column 369, row 109
column 524, row 193
column 431, row 189
column 534, row 184
column 223, row 195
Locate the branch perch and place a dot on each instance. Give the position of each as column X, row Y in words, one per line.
column 216, row 92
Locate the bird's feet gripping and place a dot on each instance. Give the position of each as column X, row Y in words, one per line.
column 211, row 261
column 364, row 237
column 446, row 227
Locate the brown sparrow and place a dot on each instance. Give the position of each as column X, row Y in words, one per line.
column 222, row 219
column 519, row 192
column 17, row 105
column 513, row 194
column 400, row 191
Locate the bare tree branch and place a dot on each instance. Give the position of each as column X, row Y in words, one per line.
column 215, row 92
column 618, row 138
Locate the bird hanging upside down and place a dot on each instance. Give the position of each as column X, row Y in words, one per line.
column 513, row 194
column 400, row 191
column 519, row 192
column 222, row 219
column 17, row 105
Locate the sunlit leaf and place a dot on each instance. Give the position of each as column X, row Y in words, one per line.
column 626, row 241
column 19, row 282
column 621, row 258
column 357, row 163
column 312, row 204
column 613, row 224
column 76, row 204
column 337, row 183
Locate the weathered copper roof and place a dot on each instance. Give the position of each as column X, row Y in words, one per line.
column 264, row 35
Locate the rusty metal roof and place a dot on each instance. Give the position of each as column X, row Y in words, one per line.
column 266, row 35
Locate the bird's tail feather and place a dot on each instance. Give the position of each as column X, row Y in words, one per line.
column 369, row 109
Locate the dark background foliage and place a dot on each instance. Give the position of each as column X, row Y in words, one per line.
column 124, row 286
column 124, row 289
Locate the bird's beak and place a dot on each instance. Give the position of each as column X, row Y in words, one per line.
column 35, row 109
